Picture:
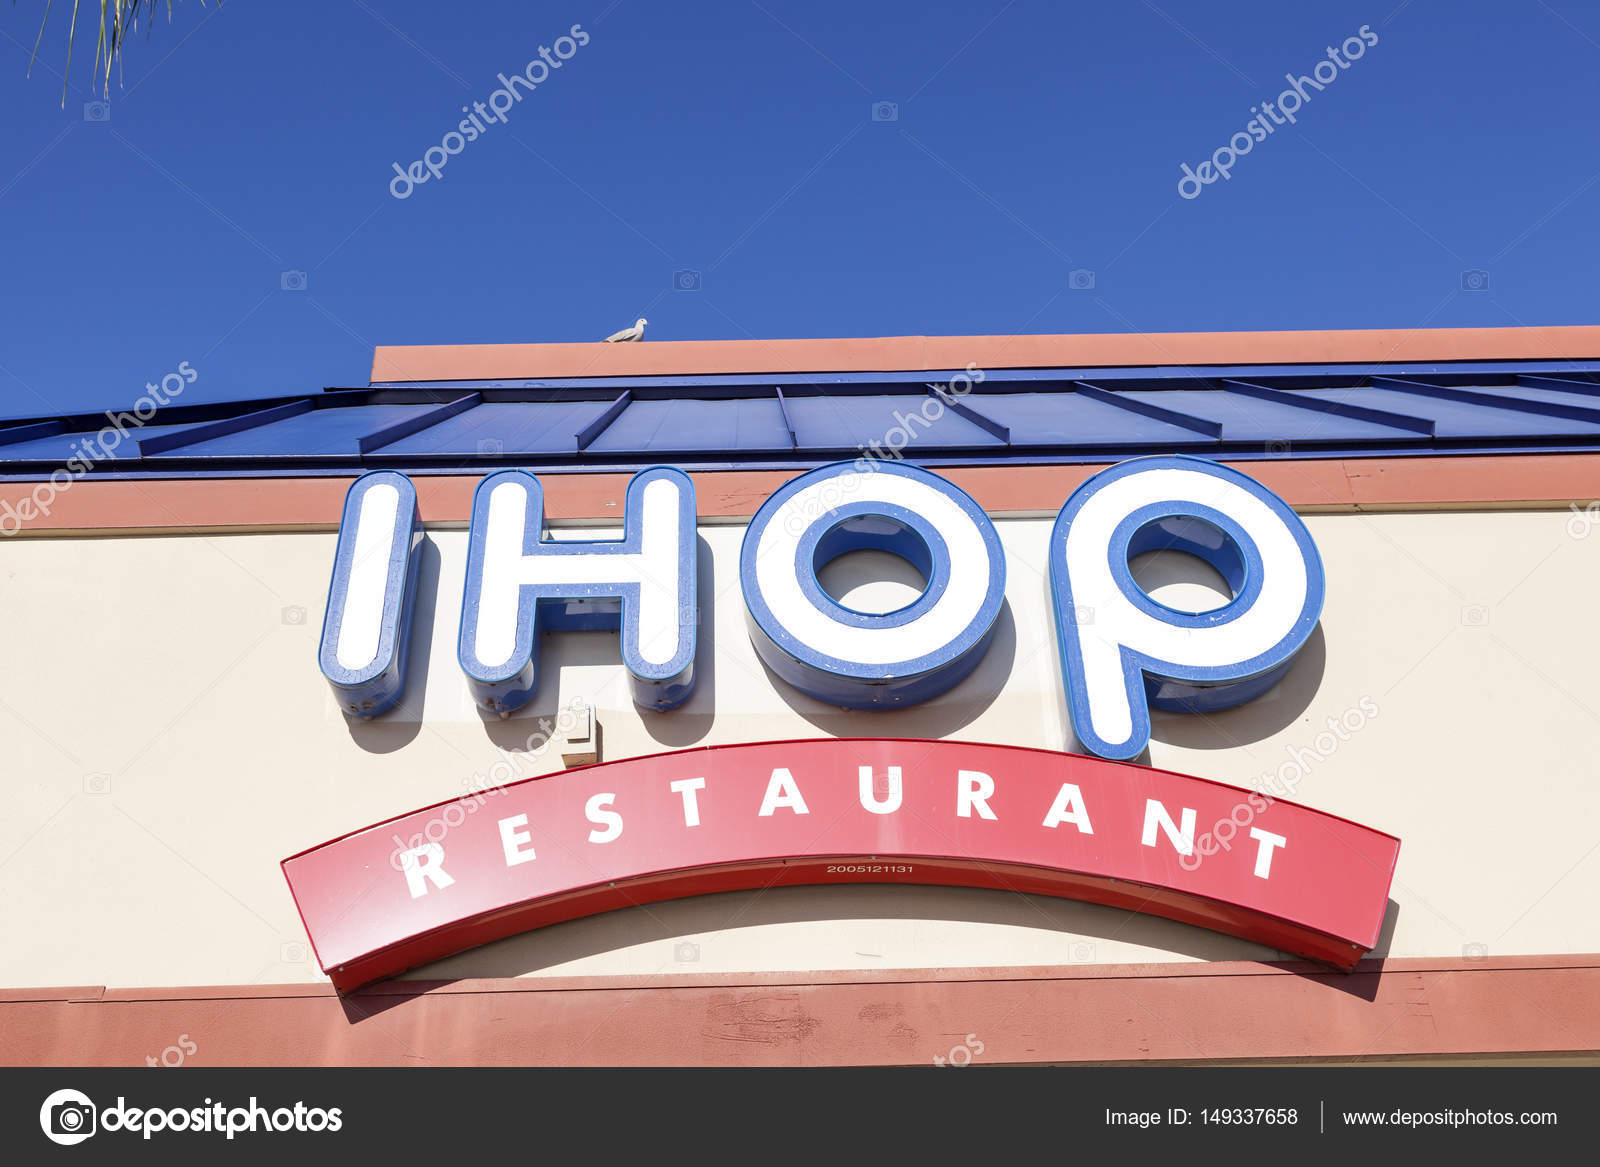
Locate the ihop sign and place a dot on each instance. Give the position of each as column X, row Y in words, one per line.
column 1122, row 652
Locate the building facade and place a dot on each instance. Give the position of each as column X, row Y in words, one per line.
column 173, row 740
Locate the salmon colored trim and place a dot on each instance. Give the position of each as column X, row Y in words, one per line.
column 1335, row 484
column 474, row 362
column 1151, row 1013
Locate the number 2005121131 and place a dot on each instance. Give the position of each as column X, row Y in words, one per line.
column 870, row 869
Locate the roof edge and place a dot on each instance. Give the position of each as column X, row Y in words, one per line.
column 209, row 506
column 481, row 362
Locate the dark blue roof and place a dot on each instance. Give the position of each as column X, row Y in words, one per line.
column 1033, row 415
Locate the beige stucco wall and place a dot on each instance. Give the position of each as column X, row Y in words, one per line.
column 169, row 740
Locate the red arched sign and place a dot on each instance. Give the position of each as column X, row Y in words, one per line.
column 722, row 818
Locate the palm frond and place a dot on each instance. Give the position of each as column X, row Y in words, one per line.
column 118, row 19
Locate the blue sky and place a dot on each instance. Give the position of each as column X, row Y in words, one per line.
column 1026, row 141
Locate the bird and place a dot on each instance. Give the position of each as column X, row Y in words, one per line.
column 634, row 333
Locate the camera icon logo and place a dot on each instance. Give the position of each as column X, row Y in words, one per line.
column 1475, row 616
column 294, row 614
column 97, row 783
column 97, row 111
column 1475, row 951
column 686, row 280
column 885, row 111
column 1474, row 280
column 491, row 448
column 292, row 281
column 67, row 1117
column 1279, row 448
column 1582, row 521
column 1081, row 280
column 685, row 952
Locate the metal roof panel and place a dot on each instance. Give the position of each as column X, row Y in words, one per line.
column 1067, row 418
column 317, row 432
column 1462, row 419
column 851, row 423
column 798, row 419
column 60, row 447
column 666, row 426
column 504, row 427
column 1250, row 419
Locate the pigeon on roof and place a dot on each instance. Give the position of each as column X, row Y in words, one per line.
column 634, row 333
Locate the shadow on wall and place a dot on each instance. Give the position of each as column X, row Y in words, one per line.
column 944, row 716
column 1186, row 581
column 1269, row 714
column 683, row 933
column 537, row 726
column 1364, row 987
column 400, row 726
column 690, row 722
column 557, row 651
